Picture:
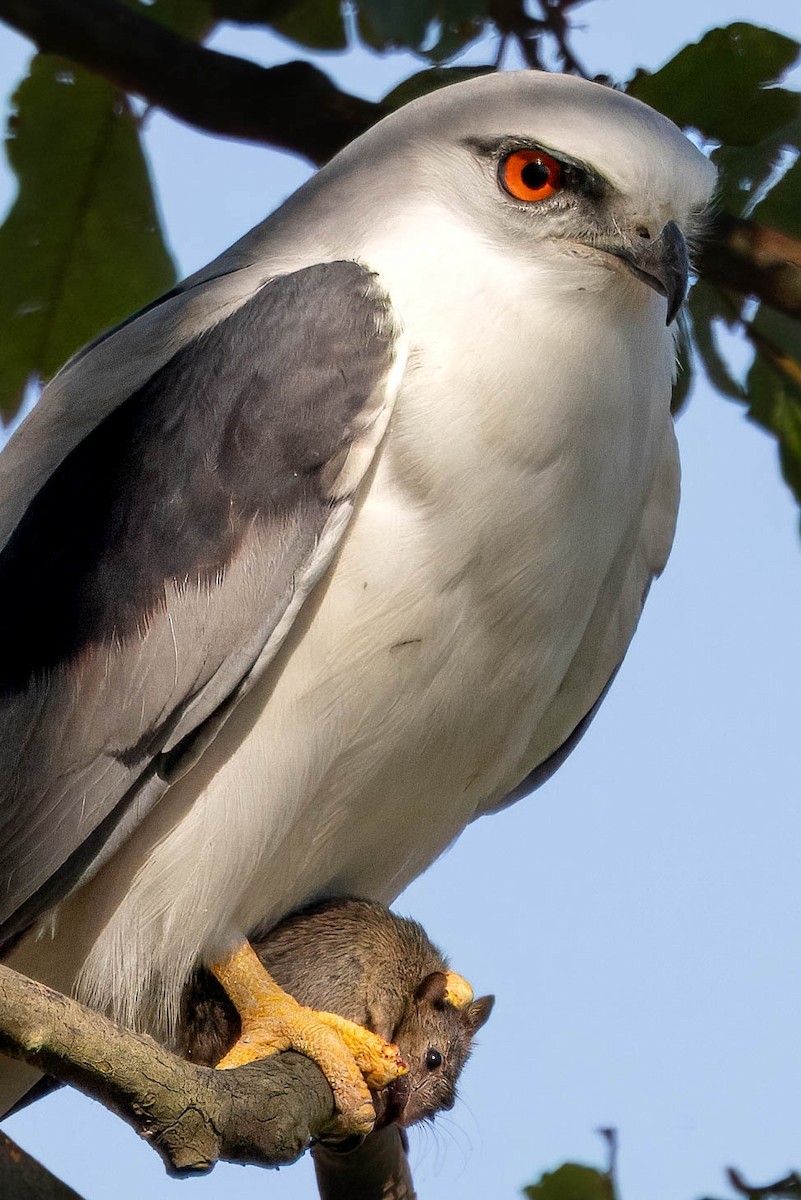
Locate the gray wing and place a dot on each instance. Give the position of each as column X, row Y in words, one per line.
column 641, row 557
column 158, row 567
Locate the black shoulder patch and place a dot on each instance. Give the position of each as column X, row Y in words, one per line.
column 235, row 428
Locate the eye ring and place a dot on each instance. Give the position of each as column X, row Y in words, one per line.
column 530, row 175
column 433, row 1058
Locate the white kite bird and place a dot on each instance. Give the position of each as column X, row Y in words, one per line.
column 337, row 546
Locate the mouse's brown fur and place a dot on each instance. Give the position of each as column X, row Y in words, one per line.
column 356, row 958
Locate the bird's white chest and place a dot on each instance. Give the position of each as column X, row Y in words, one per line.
column 421, row 679
column 513, row 469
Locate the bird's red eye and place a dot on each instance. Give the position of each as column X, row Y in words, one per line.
column 530, row 175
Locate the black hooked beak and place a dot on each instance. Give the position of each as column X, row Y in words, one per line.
column 662, row 264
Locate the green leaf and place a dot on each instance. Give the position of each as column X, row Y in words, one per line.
column 774, row 389
column 704, row 308
column 386, row 24
column 720, row 85
column 572, row 1181
column 781, row 208
column 782, row 331
column 776, row 406
column 193, row 19
column 81, row 247
column 437, row 29
column 316, row 24
column 428, row 81
column 744, row 170
column 456, row 24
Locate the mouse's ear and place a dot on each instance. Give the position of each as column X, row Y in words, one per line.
column 445, row 987
column 431, row 990
column 478, row 1013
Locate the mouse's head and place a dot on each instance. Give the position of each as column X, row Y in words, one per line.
column 435, row 1036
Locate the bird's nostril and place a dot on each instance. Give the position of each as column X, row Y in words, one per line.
column 644, row 232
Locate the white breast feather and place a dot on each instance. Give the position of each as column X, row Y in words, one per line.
column 420, row 682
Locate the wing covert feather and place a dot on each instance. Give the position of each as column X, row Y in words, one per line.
column 162, row 562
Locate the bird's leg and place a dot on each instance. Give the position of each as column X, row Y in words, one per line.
column 353, row 1059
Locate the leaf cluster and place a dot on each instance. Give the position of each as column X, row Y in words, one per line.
column 82, row 244
column 727, row 88
column 573, row 1181
column 576, row 1181
column 434, row 29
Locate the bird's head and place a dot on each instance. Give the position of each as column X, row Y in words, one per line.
column 566, row 175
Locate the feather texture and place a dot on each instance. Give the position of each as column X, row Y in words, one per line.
column 320, row 704
column 178, row 531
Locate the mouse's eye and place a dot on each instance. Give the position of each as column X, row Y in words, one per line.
column 433, row 1058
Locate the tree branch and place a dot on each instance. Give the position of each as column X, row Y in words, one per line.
column 294, row 106
column 790, row 1185
column 378, row 1170
column 556, row 18
column 753, row 260
column 265, row 1113
column 23, row 1178
column 513, row 19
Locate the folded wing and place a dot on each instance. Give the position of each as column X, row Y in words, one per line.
column 156, row 560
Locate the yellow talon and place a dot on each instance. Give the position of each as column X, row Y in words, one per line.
column 458, row 991
column 379, row 1062
column 352, row 1059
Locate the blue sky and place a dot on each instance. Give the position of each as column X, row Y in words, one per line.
column 638, row 918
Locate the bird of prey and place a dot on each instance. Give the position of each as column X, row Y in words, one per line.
column 336, row 546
